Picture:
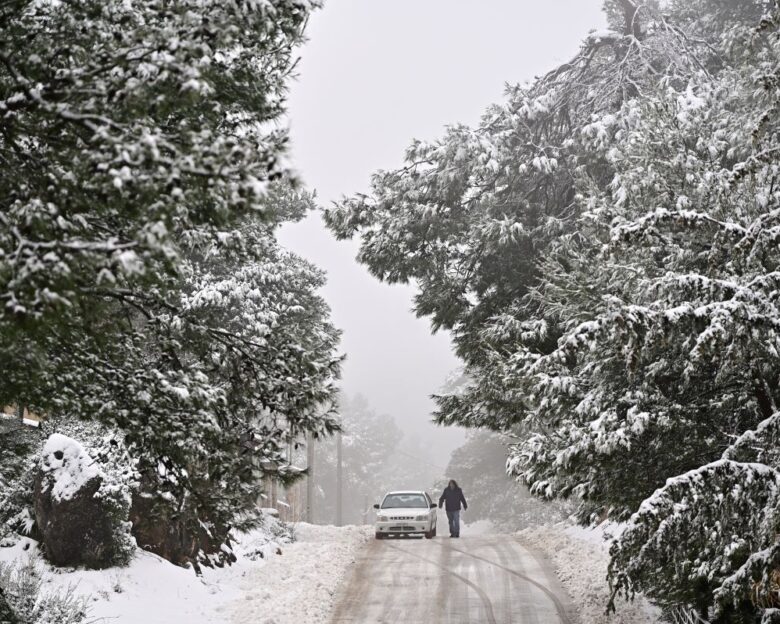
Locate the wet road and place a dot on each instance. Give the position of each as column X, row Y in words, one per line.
column 490, row 579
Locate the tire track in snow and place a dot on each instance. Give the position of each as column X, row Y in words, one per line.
column 559, row 607
column 488, row 605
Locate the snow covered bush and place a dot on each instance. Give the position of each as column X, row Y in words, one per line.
column 267, row 539
column 23, row 588
column 17, row 449
column 109, row 457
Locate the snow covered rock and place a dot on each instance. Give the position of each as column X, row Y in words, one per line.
column 82, row 522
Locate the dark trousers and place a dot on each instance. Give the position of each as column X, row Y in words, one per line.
column 454, row 519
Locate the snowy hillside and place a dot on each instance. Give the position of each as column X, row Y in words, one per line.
column 259, row 588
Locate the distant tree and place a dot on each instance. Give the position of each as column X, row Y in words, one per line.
column 479, row 467
column 369, row 443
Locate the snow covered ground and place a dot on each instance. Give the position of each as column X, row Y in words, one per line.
column 295, row 586
column 580, row 557
column 299, row 586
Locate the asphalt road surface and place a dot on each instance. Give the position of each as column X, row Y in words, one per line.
column 486, row 579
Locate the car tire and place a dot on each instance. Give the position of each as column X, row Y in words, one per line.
column 379, row 536
column 430, row 534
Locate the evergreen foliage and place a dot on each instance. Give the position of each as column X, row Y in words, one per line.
column 604, row 249
column 141, row 284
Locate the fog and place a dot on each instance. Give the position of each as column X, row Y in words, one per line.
column 374, row 75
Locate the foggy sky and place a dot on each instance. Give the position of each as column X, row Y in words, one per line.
column 374, row 75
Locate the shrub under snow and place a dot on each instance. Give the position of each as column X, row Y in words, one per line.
column 23, row 588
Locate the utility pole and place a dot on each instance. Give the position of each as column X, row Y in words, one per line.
column 339, row 481
column 310, row 478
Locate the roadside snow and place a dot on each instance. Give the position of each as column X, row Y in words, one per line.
column 150, row 590
column 261, row 587
column 479, row 527
column 580, row 557
column 299, row 586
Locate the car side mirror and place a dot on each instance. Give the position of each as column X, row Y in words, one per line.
column 376, row 505
column 433, row 505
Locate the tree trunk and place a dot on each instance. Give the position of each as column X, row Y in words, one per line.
column 632, row 26
column 310, row 479
column 339, row 481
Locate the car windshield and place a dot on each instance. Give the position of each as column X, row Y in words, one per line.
column 417, row 501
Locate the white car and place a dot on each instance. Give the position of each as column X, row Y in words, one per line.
column 406, row 513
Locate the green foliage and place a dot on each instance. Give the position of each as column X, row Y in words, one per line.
column 18, row 444
column 141, row 284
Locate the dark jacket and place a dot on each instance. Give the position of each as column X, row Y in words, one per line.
column 453, row 497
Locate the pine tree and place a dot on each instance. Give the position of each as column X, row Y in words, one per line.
column 141, row 284
column 604, row 249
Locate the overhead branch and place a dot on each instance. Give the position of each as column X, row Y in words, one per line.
column 632, row 25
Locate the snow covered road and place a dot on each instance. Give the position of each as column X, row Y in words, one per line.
column 485, row 579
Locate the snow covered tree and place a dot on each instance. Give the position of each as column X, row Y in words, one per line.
column 471, row 216
column 124, row 126
column 604, row 249
column 140, row 280
column 256, row 343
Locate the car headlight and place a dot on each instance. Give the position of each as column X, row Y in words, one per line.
column 421, row 518
column 382, row 518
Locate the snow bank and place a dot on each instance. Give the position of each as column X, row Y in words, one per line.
column 150, row 590
column 296, row 586
column 299, row 586
column 580, row 557
column 67, row 466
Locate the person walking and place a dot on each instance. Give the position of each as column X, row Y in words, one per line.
column 453, row 497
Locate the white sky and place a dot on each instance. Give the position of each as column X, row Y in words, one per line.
column 374, row 75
